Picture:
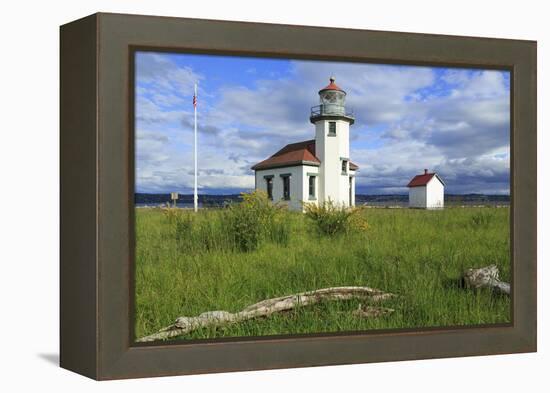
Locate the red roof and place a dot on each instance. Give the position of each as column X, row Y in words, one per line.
column 299, row 153
column 331, row 85
column 422, row 180
column 293, row 154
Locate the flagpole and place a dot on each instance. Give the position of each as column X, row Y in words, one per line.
column 196, row 196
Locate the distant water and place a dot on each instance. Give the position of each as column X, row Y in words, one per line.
column 380, row 204
column 182, row 205
column 447, row 204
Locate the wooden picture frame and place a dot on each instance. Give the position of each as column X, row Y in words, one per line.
column 97, row 195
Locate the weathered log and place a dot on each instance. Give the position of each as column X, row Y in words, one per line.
column 486, row 277
column 371, row 312
column 184, row 325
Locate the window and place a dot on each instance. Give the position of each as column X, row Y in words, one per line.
column 312, row 187
column 344, row 167
column 286, row 187
column 330, row 97
column 269, row 186
column 332, row 128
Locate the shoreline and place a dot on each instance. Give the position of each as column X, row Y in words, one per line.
column 365, row 206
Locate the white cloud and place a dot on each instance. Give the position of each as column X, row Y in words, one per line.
column 403, row 124
column 164, row 77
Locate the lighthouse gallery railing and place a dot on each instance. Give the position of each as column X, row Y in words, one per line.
column 331, row 109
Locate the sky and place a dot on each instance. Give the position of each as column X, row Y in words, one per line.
column 453, row 121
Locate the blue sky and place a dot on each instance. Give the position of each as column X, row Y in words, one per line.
column 453, row 121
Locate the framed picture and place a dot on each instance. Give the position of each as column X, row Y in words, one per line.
column 242, row 196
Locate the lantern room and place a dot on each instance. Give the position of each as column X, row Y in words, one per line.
column 332, row 100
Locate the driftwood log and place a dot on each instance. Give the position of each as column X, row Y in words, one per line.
column 486, row 277
column 371, row 311
column 184, row 325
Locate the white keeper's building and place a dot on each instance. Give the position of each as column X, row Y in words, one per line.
column 426, row 191
column 315, row 170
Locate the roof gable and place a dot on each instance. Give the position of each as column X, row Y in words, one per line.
column 424, row 179
column 299, row 153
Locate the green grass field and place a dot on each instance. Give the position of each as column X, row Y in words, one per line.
column 190, row 263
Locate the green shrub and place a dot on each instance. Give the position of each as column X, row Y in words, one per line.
column 329, row 218
column 244, row 226
column 255, row 219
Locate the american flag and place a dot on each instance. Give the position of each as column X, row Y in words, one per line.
column 194, row 101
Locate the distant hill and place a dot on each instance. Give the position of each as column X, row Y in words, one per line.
column 204, row 200
column 448, row 198
column 219, row 200
column 477, row 198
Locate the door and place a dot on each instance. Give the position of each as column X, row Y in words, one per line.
column 350, row 190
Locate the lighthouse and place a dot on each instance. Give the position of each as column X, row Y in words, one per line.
column 332, row 125
column 319, row 169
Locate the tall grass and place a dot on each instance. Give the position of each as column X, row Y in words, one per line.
column 482, row 219
column 188, row 263
column 239, row 227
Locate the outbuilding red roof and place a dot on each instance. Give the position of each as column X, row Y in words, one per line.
column 299, row 153
column 422, row 180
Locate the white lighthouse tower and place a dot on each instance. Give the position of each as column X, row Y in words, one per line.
column 332, row 123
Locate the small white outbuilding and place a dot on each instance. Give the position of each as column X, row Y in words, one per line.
column 426, row 191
